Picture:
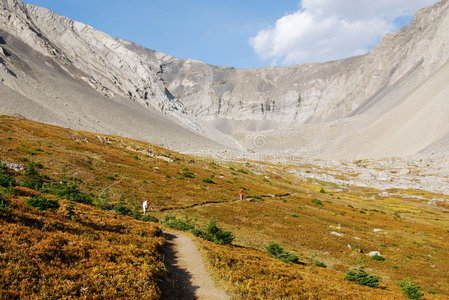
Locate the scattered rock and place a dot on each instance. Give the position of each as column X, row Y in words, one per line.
column 164, row 158
column 336, row 227
column 14, row 166
column 337, row 234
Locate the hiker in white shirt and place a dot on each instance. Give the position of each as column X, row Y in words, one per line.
column 145, row 206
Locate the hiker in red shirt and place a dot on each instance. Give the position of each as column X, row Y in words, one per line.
column 241, row 194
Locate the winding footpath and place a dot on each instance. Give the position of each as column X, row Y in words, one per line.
column 188, row 278
column 208, row 203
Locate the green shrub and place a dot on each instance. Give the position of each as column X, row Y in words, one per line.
column 188, row 174
column 38, row 165
column 317, row 202
column 6, row 177
column 276, row 251
column 210, row 232
column 360, row 276
column 103, row 201
column 33, row 179
column 121, row 208
column 242, row 171
column 318, row 263
column 68, row 189
column 411, row 290
column 149, row 218
column 6, row 180
column 3, row 203
column 215, row 234
column 172, row 222
column 136, row 213
column 70, row 209
column 4, row 207
column 208, row 180
column 42, row 203
column 289, row 258
column 378, row 257
column 322, row 191
column 257, row 197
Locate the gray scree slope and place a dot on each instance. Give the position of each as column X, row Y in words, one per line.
column 393, row 101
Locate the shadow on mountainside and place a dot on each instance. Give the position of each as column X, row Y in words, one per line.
column 178, row 284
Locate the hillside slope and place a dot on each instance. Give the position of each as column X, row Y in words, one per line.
column 91, row 254
column 56, row 81
column 314, row 219
column 55, row 67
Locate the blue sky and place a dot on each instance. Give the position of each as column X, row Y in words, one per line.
column 237, row 33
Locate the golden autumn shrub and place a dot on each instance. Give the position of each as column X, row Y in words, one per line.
column 252, row 274
column 101, row 255
column 25, row 191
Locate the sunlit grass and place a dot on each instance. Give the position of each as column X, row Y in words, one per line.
column 352, row 221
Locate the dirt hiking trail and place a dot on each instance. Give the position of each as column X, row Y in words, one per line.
column 188, row 278
column 208, row 203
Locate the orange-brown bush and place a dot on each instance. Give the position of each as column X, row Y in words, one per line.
column 24, row 191
column 251, row 274
column 98, row 255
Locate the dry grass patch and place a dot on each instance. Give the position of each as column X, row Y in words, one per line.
column 251, row 274
column 95, row 254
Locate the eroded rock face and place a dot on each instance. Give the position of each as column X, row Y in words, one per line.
column 324, row 99
column 107, row 64
column 62, row 72
column 314, row 92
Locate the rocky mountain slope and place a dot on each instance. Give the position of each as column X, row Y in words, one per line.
column 390, row 102
column 63, row 72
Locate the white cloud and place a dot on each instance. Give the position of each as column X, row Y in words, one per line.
column 323, row 30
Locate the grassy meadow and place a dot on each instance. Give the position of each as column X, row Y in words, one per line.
column 330, row 229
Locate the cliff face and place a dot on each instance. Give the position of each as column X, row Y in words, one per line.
column 311, row 93
column 62, row 72
column 218, row 103
column 108, row 66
